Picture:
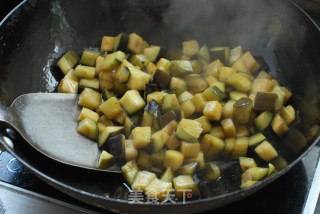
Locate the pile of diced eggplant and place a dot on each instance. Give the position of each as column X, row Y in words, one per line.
column 166, row 115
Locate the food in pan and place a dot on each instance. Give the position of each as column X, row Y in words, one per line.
column 167, row 115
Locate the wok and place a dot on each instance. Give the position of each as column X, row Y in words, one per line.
column 38, row 32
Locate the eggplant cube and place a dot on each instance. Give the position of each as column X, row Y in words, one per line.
column 111, row 108
column 67, row 61
column 132, row 101
column 189, row 130
column 130, row 170
column 184, row 184
column 173, row 159
column 89, row 98
column 88, row 127
column 158, row 189
column 142, row 180
column 212, row 110
column 106, row 160
column 266, row 151
column 141, row 136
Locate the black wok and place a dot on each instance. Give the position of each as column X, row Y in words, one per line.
column 38, row 32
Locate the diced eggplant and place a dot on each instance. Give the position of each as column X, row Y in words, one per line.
column 89, row 57
column 211, row 172
column 89, row 83
column 89, row 98
column 211, row 146
column 164, row 65
column 68, row 86
column 213, row 68
column 190, row 48
column 107, row 43
column 205, row 124
column 130, row 170
column 138, row 79
column 256, row 139
column 141, row 137
column 142, row 180
column 189, row 130
column 121, row 42
column 239, row 82
column 262, row 85
column 228, row 127
column 139, row 60
column 144, row 160
column 214, row 94
column 229, row 145
column 242, row 110
column 106, row 160
column 158, row 158
column 246, row 163
column 108, row 132
column 197, row 66
column 158, row 189
column 131, row 153
column 87, row 72
column 203, row 54
column 224, row 73
column 135, row 43
column 288, row 113
column 173, row 142
column 180, row 68
column 188, row 108
column 237, row 95
column 173, row 159
column 279, row 125
column 170, row 102
column 248, row 184
column 221, row 53
column 112, row 61
column 188, row 169
column 111, row 108
column 116, row 147
column 88, row 127
column 67, row 61
column 217, row 131
column 254, row 174
column 156, row 96
column 132, row 101
column 177, row 83
column 184, row 184
column 166, row 118
column 212, row 110
column 158, row 140
column 266, row 151
column 128, row 126
column 235, row 53
column 85, row 112
column 240, row 147
column 168, row 175
column 122, row 73
column 161, row 79
column 190, row 150
column 265, row 101
column 199, row 102
column 195, row 83
column 263, row 120
column 177, row 91
column 152, row 53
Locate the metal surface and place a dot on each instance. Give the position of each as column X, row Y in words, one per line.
column 48, row 122
column 261, row 26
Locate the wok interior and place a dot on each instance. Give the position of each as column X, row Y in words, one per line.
column 39, row 32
